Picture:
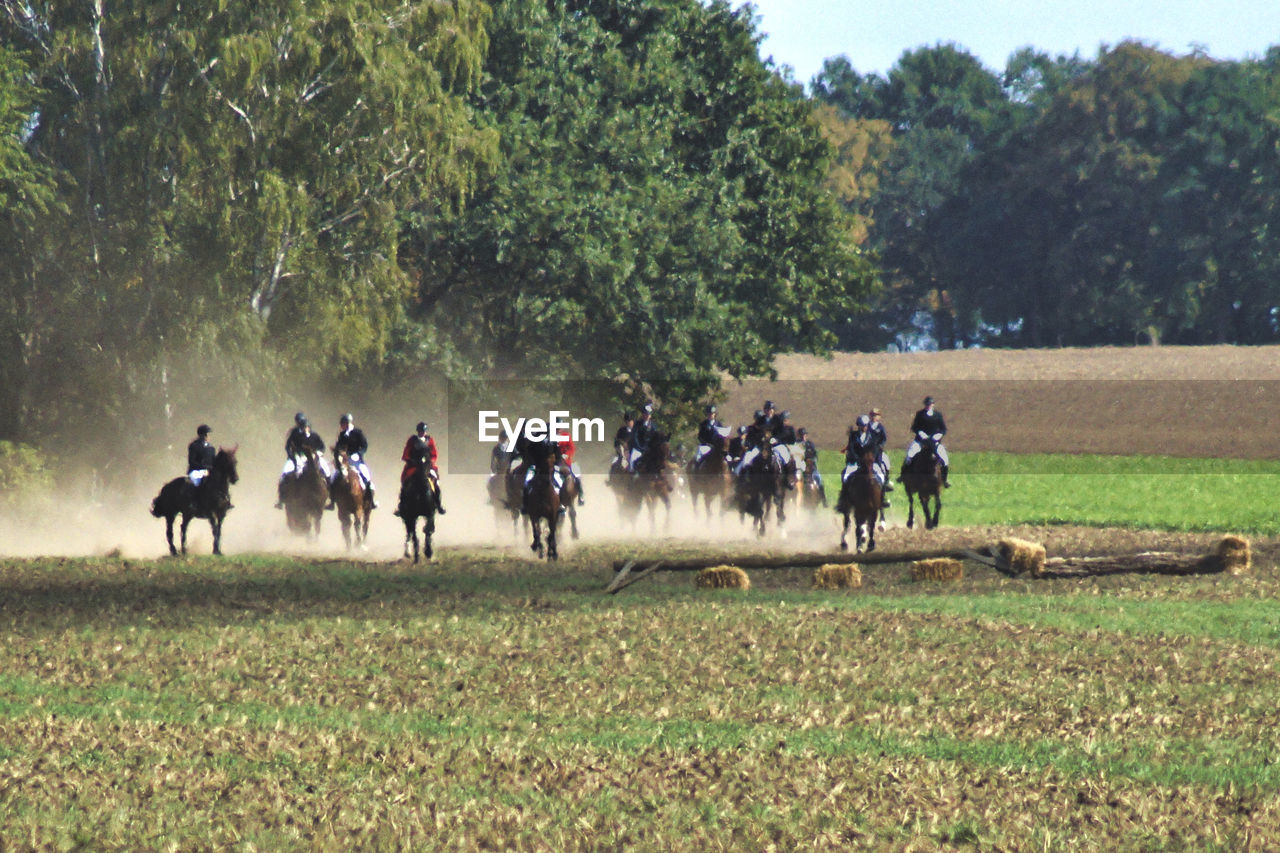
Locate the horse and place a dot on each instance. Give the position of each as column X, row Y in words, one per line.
column 651, row 483
column 759, row 487
column 211, row 500
column 418, row 500
column 353, row 502
column 540, row 501
column 710, row 477
column 305, row 494
column 809, row 493
column 924, row 478
column 861, row 495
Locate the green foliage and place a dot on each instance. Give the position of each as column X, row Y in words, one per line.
column 25, row 478
column 659, row 213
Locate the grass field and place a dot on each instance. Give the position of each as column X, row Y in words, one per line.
column 488, row 702
column 1144, row 492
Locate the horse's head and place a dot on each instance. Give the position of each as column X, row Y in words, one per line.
column 225, row 462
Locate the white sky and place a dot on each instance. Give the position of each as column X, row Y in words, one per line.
column 802, row 33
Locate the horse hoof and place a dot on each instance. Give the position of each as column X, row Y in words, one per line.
column 844, row 546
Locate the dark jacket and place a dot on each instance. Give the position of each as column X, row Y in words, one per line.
column 642, row 434
column 928, row 423
column 881, row 434
column 200, row 455
column 353, row 441
column 298, row 440
column 708, row 434
column 860, row 442
column 784, row 433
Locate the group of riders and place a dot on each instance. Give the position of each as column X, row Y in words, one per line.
column 634, row 446
column 303, row 446
column 792, row 447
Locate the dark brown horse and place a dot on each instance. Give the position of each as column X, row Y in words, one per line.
column 924, row 478
column 710, row 478
column 353, row 502
column 760, row 487
column 541, row 499
column 652, row 482
column 211, row 500
column 860, row 496
column 305, row 494
column 418, row 499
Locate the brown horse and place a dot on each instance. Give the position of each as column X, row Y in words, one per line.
column 305, row 494
column 353, row 502
column 861, row 495
column 541, row 500
column 760, row 487
column 212, row 500
column 924, row 478
column 651, row 483
column 710, row 478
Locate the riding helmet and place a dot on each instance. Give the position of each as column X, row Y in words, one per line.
column 347, row 418
column 928, row 401
column 628, row 416
column 421, row 427
column 863, row 420
column 648, row 408
column 711, row 410
column 299, row 418
column 768, row 404
column 303, row 422
column 204, row 429
column 786, row 415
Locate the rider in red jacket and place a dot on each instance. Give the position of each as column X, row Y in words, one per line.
column 418, row 446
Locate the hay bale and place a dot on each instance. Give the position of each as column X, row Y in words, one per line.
column 1235, row 555
column 1022, row 556
column 722, row 577
column 938, row 569
column 837, row 576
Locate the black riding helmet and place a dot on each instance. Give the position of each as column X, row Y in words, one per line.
column 299, row 419
column 204, row 429
column 421, row 427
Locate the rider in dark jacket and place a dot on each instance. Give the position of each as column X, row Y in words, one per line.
column 200, row 455
column 928, row 423
column 352, row 439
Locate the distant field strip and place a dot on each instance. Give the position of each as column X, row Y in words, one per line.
column 1147, row 492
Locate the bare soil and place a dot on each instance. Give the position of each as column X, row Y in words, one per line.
column 1215, row 402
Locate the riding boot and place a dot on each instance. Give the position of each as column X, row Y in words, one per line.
column 945, row 469
column 373, row 502
column 439, row 499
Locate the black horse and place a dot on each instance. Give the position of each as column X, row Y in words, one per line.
column 761, row 487
column 923, row 477
column 211, row 500
column 418, row 499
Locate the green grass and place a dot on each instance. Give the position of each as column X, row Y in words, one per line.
column 1141, row 492
column 486, row 701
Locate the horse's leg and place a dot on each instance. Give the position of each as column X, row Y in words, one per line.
column 573, row 519
column 428, row 530
column 408, row 535
column 186, row 519
column 937, row 510
column 911, row 508
column 215, row 521
column 552, row 523
column 168, row 534
column 536, row 523
column 844, row 533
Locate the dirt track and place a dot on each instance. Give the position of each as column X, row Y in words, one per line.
column 1179, row 401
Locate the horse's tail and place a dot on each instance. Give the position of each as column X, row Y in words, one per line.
column 154, row 511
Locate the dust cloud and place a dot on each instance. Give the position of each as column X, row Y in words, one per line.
column 105, row 511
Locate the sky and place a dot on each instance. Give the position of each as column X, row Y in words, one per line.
column 875, row 33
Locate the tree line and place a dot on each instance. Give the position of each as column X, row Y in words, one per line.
column 1129, row 198
column 201, row 201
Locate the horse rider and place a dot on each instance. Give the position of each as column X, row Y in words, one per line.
column 861, row 440
column 641, row 435
column 622, row 439
column 500, row 457
column 752, row 440
column 737, row 445
column 295, row 446
column 882, row 460
column 200, row 456
column 352, row 439
column 711, row 433
column 928, row 423
column 568, row 467
column 419, row 446
column 809, row 453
